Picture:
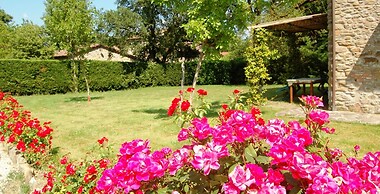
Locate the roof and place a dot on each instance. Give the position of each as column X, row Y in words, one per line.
column 63, row 54
column 297, row 24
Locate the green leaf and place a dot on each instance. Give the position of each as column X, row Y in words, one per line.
column 263, row 159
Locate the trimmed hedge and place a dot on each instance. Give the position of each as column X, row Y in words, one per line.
column 26, row 77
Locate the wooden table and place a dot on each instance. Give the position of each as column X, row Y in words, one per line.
column 303, row 81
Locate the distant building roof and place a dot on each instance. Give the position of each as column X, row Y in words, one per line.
column 63, row 54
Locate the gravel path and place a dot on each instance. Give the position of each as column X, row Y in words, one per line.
column 6, row 166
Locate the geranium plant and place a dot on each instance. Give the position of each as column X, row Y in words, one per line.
column 18, row 128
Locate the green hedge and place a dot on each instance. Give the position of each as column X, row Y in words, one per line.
column 26, row 77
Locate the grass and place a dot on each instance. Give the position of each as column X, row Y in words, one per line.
column 141, row 113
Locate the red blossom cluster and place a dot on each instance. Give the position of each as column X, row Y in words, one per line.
column 177, row 105
column 18, row 127
column 76, row 177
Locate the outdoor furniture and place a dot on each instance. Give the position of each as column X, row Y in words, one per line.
column 303, row 81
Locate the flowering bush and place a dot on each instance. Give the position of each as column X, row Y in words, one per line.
column 70, row 176
column 27, row 134
column 184, row 111
column 244, row 154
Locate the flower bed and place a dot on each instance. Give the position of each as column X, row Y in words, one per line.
column 19, row 129
column 242, row 153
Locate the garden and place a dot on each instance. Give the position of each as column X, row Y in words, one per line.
column 222, row 146
column 88, row 126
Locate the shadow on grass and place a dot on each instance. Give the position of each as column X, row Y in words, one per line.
column 83, row 98
column 162, row 113
column 281, row 94
column 159, row 113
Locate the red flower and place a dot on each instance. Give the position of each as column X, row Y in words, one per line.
column 2, row 95
column 225, row 106
column 202, row 92
column 190, row 89
column 175, row 101
column 63, row 160
column 91, row 169
column 70, row 169
column 261, row 121
column 21, row 146
column 185, row 105
column 88, row 178
column 255, row 111
column 102, row 140
column 103, row 163
column 171, row 110
column 236, row 91
column 80, row 190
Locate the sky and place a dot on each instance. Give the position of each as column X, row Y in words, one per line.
column 33, row 10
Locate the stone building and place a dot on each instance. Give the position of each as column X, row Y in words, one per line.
column 99, row 52
column 354, row 51
column 354, row 62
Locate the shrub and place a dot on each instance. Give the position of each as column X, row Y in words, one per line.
column 245, row 154
column 17, row 127
column 25, row 77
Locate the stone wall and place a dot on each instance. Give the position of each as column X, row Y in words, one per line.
column 356, row 56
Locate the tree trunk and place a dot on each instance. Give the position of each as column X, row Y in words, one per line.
column 197, row 70
column 183, row 78
column 88, row 90
column 74, row 67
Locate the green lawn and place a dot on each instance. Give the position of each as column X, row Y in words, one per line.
column 141, row 113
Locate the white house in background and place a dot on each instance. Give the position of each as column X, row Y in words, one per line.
column 99, row 52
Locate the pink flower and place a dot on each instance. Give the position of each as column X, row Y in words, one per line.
column 207, row 157
column 178, row 159
column 357, row 148
column 135, row 146
column 230, row 188
column 312, row 101
column 323, row 184
column 183, row 134
column 240, row 178
column 319, row 117
column 200, row 129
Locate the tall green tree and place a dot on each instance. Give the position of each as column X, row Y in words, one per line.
column 6, row 50
column 122, row 28
column 69, row 24
column 211, row 24
column 163, row 39
column 30, row 41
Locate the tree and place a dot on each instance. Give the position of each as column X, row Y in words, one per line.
column 211, row 24
column 30, row 41
column 70, row 25
column 121, row 28
column 163, row 39
column 4, row 17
